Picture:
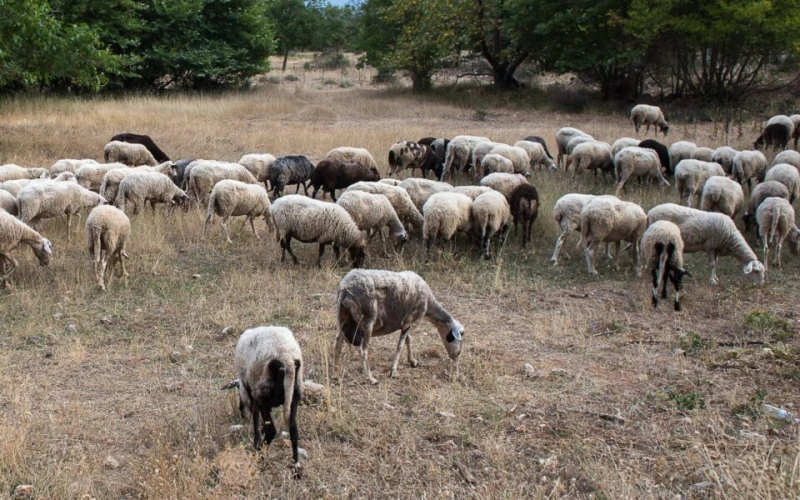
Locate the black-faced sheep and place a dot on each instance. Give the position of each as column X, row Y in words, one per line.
column 107, row 231
column 12, row 234
column 144, row 140
column 643, row 114
column 663, row 250
column 334, row 174
column 288, row 170
column 524, row 207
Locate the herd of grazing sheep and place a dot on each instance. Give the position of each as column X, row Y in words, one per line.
column 715, row 187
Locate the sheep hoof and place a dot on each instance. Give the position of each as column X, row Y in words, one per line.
column 373, row 381
column 392, row 374
column 414, row 363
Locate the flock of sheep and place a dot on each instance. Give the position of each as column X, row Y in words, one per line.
column 373, row 302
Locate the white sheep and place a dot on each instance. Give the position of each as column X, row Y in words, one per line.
column 479, row 152
column 577, row 141
column 10, row 172
column 663, row 254
column 681, row 150
column 233, row 199
column 8, row 202
column 788, row 156
column 15, row 186
column 622, row 143
column 563, row 137
column 91, row 175
column 494, row 163
column 691, row 176
column 459, row 153
column 354, row 155
column 567, row 215
column 445, row 214
column 637, row 163
column 504, row 183
column 518, row 156
column 749, row 167
column 472, row 191
column 110, row 185
column 107, row 231
column 391, row 182
column 712, row 233
column 371, row 212
column 723, row 156
column 644, row 114
column 53, row 199
column 776, row 222
column 314, row 221
column 258, row 165
column 703, row 154
column 204, row 174
column 760, row 193
column 722, row 195
column 155, row 187
column 128, row 153
column 374, row 303
column 590, row 156
column 12, row 234
column 606, row 219
column 537, row 155
column 421, row 189
column 491, row 214
column 788, row 176
column 399, row 198
column 68, row 165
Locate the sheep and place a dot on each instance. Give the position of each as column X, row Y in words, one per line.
column 592, row 156
column 91, row 176
column 353, row 155
column 788, row 176
column 724, row 157
column 783, row 120
column 269, row 366
column 524, row 206
column 178, row 171
column 723, row 195
column 494, row 163
column 12, row 233
column 662, row 152
column 15, row 186
column 505, row 183
column 623, row 142
column 431, row 163
column 760, row 193
column 10, row 172
column 540, row 140
column 68, row 166
column 426, row 141
column 472, row 191
column 537, row 154
column 703, row 154
column 796, row 134
column 52, row 199
column 788, row 156
column 288, row 170
column 636, row 163
column 563, row 136
column 399, row 198
column 333, row 174
column 445, row 214
column 578, row 140
column 155, row 187
column 406, row 155
column 231, row 198
column 567, row 214
column 132, row 155
column 606, row 219
column 490, row 214
column 749, row 167
column 712, row 233
column 663, row 254
column 421, row 189
column 373, row 212
column 391, row 182
column 375, row 302
column 643, row 114
column 458, row 153
column 204, row 174
column 439, row 148
column 144, row 140
column 679, row 151
column 518, row 156
column 107, row 232
column 259, row 165
column 776, row 222
column 479, row 152
column 8, row 202
column 691, row 176
column 309, row 221
column 775, row 135
column 110, row 185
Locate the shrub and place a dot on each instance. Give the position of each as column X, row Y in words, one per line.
column 328, row 61
column 291, row 78
column 569, row 99
column 768, row 324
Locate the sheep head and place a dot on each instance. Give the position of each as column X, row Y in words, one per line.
column 43, row 250
column 756, row 270
column 452, row 334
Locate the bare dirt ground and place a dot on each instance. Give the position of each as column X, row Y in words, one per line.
column 621, row 400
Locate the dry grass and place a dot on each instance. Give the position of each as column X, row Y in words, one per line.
column 137, row 377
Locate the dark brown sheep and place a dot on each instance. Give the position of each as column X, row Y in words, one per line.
column 776, row 136
column 525, row 209
column 331, row 175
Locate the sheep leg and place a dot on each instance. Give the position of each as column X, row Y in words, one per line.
column 565, row 230
column 253, row 227
column 224, row 225
column 209, row 220
column 268, row 427
column 286, row 243
column 637, row 265
column 305, row 188
column 654, row 293
column 403, row 337
column 590, row 253
column 337, row 352
column 676, row 278
column 293, row 433
column 366, row 334
column 69, row 227
column 778, row 252
column 712, row 261
column 616, row 256
column 321, row 252
column 8, row 270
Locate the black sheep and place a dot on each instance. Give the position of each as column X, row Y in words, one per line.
column 775, row 135
column 540, row 140
column 525, row 209
column 145, row 141
column 288, row 170
column 331, row 175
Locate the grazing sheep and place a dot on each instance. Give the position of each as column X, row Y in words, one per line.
column 567, row 214
column 524, row 207
column 480, row 151
column 144, row 140
column 749, row 168
column 12, row 233
column 155, row 187
column 563, row 137
column 723, row 195
column 494, row 163
column 353, row 155
column 10, row 172
column 439, row 146
column 788, row 156
column 445, row 214
column 776, row 222
column 775, row 136
column 606, row 219
column 259, row 165
column 431, row 163
column 333, row 174
column 313, row 221
column 132, row 155
column 788, row 176
column 490, row 214
column 406, row 155
column 91, row 176
column 712, row 233
column 391, row 182
column 623, row 142
column 637, row 163
column 421, row 189
column 110, row 185
column 703, row 154
column 15, row 186
column 205, row 174
column 591, row 156
column 68, row 166
column 518, row 156
column 691, row 176
column 235, row 198
column 53, row 199
column 679, row 151
column 537, row 154
column 540, row 140
column 504, row 183
column 399, row 198
column 760, row 193
column 578, row 140
column 643, row 114
column 784, row 120
column 459, row 153
column 178, row 171
column 426, row 141
column 662, row 152
column 107, row 232
column 371, row 212
column 663, row 254
column 724, row 157
column 375, row 303
column 288, row 170
column 472, row 191
column 8, row 202
column 269, row 366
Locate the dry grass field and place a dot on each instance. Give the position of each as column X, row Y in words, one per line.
column 623, row 401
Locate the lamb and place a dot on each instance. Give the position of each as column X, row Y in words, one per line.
column 15, row 186
column 505, row 183
column 421, row 189
column 563, row 137
column 702, row 154
column 760, row 193
column 8, row 202
column 724, row 157
column 373, row 212
column 132, row 155
column 623, row 142
column 663, row 253
column 710, row 232
column 231, row 198
column 269, row 366
column 788, row 176
column 91, row 176
column 524, row 207
column 723, row 195
column 567, row 214
column 662, row 152
column 10, row 172
column 333, row 174
column 406, row 155
column 788, row 156
column 68, row 166
column 52, row 199
column 472, row 191
column 518, row 156
column 679, row 151
column 309, row 221
column 445, row 214
column 155, row 187
column 353, row 155
column 643, row 114
column 107, row 232
column 538, row 155
column 540, row 140
column 606, row 219
column 776, row 222
column 376, row 302
column 592, row 156
column 12, row 233
column 494, row 163
column 775, row 135
column 288, row 170
column 490, row 214
column 691, row 176
column 458, row 153
column 636, row 163
column 749, row 167
column 399, row 198
column 479, row 152
column 205, row 174
column 259, row 165
column 144, row 140
column 110, row 185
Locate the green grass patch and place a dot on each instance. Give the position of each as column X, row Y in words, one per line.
column 768, row 324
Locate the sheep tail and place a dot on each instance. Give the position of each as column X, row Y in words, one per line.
column 776, row 213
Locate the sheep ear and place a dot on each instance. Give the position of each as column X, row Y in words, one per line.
column 748, row 268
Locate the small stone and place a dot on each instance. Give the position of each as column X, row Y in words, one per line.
column 111, row 463
column 189, row 348
column 138, row 310
column 71, row 328
column 767, row 352
column 445, row 414
column 530, row 371
column 235, row 428
column 387, row 406
column 57, row 315
column 24, row 491
column 559, row 372
column 196, row 276
column 227, row 330
column 701, row 486
column 175, row 356
column 141, row 450
column 313, row 392
column 34, row 339
column 302, row 453
column 449, row 445
column 544, row 479
column 105, row 320
column 678, row 351
column 48, row 353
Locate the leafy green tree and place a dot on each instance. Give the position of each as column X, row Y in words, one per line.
column 295, row 25
column 498, row 35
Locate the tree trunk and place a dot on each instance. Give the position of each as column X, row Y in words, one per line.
column 285, row 58
column 421, row 80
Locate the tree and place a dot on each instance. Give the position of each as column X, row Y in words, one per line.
column 499, row 37
column 294, row 23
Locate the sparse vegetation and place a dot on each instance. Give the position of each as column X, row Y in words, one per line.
column 693, row 343
column 764, row 323
column 686, row 401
